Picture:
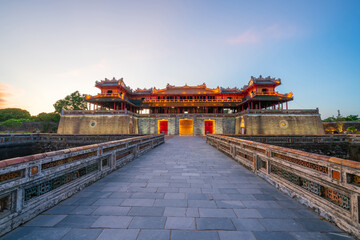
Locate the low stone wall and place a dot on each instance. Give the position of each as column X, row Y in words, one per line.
column 329, row 185
column 267, row 123
column 101, row 123
column 32, row 184
column 18, row 145
column 345, row 146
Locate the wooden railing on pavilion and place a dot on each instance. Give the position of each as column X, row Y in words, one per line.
column 249, row 111
column 329, row 185
column 190, row 100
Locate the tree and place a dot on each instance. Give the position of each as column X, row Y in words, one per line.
column 330, row 119
column 351, row 129
column 47, row 117
column 351, row 118
column 13, row 113
column 340, row 123
column 74, row 101
column 13, row 123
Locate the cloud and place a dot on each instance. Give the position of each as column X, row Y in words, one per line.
column 8, row 98
column 4, row 93
column 254, row 36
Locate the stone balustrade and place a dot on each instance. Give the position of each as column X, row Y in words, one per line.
column 329, row 185
column 31, row 184
column 345, row 146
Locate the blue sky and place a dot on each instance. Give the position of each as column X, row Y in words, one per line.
column 49, row 49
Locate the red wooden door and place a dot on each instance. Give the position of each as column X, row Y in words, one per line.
column 209, row 127
column 164, row 127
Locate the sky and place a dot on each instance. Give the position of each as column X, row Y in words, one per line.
column 49, row 49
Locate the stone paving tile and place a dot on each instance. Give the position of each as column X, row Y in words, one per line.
column 77, row 221
column 148, row 222
column 112, row 222
column 174, row 196
column 236, row 235
column 119, row 234
column 261, row 204
column 317, row 225
column 273, row 236
column 230, row 204
column 147, row 211
column 60, row 210
column 154, row 235
column 175, row 212
column 243, row 224
column 241, row 197
column 214, row 224
column 83, row 210
column 108, row 202
column 277, row 213
column 211, row 212
column 168, row 190
column 192, row 212
column 147, row 195
column 111, row 211
column 85, row 201
column 138, row 202
column 196, row 196
column 120, row 195
column 247, row 213
column 281, row 225
column 184, row 223
column 202, row 203
column 36, row 233
column 82, row 234
column 170, row 203
column 194, row 235
column 45, row 221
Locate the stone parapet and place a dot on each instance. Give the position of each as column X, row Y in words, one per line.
column 329, row 185
column 32, row 184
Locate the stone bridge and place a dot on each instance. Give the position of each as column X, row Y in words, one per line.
column 182, row 189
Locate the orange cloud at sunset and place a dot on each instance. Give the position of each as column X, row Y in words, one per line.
column 10, row 100
column 3, row 94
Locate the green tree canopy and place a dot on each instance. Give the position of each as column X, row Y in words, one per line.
column 351, row 129
column 329, row 119
column 13, row 123
column 74, row 101
column 13, row 113
column 352, row 118
column 47, row 117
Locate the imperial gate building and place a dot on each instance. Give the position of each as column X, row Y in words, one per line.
column 256, row 108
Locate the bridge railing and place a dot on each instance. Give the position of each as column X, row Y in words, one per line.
column 31, row 184
column 16, row 138
column 329, row 185
column 273, row 139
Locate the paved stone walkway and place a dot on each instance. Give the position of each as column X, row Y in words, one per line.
column 183, row 189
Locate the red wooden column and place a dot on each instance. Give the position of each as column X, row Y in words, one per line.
column 259, row 104
column 286, row 105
